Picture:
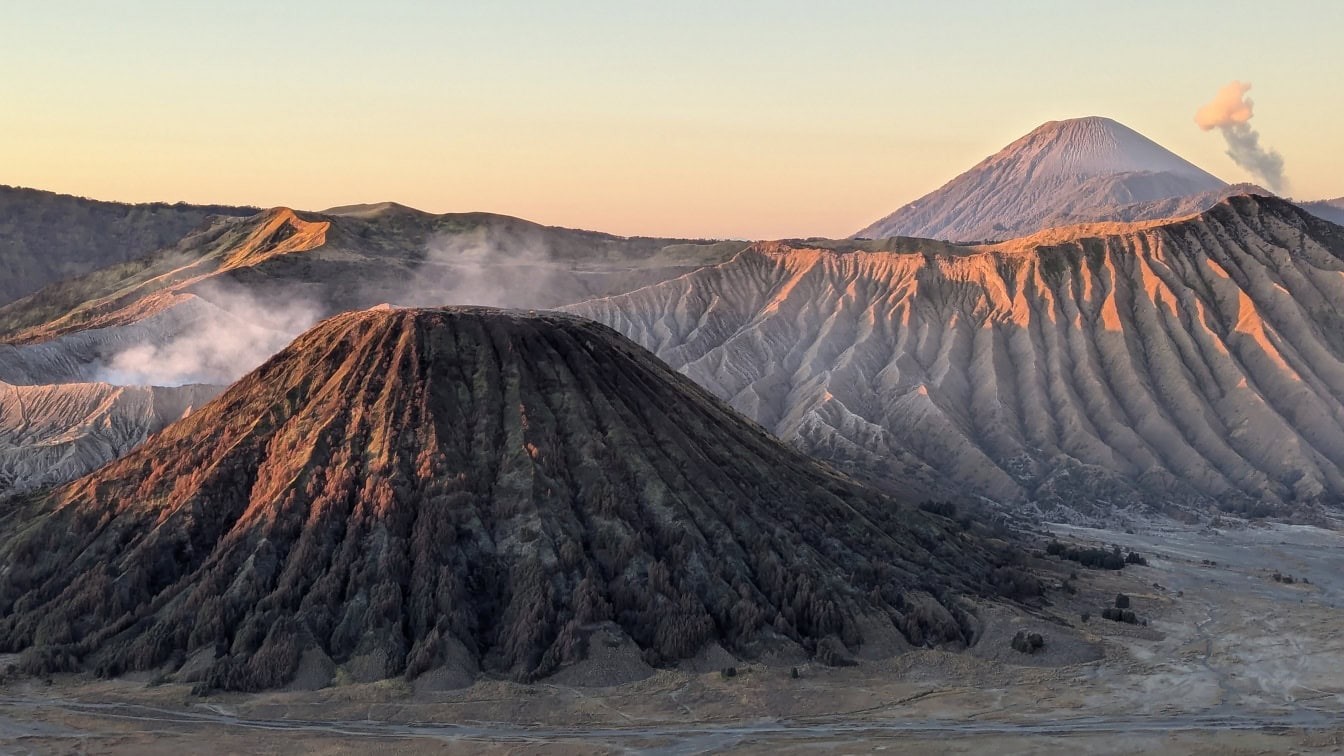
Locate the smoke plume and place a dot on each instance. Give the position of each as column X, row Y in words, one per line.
column 225, row 332
column 481, row 268
column 1230, row 111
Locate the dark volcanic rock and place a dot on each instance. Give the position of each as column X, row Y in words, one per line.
column 471, row 491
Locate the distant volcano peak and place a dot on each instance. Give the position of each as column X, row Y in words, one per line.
column 1062, row 172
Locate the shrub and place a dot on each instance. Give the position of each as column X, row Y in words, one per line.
column 1121, row 601
column 944, row 508
column 1092, row 557
column 1028, row 643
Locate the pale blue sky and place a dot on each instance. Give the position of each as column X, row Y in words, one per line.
column 696, row 118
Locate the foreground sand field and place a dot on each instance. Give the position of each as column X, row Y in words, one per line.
column 1231, row 661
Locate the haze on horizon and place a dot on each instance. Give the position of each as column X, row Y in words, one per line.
column 760, row 120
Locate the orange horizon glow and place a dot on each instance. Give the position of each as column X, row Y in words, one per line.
column 746, row 120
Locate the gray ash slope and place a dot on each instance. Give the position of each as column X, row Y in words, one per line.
column 1062, row 172
column 464, row 492
column 1177, row 365
column 52, row 434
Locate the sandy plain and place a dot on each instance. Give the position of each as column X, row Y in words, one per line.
column 1231, row 661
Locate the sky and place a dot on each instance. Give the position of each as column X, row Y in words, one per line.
column 744, row 119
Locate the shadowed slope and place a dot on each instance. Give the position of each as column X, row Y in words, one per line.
column 467, row 490
column 1331, row 210
column 1185, row 363
column 48, row 237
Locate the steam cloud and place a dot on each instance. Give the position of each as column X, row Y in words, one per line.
column 228, row 330
column 1230, row 111
column 232, row 332
column 474, row 269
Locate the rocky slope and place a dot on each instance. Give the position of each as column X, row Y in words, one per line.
column 447, row 493
column 1176, row 364
column 275, row 274
column 53, row 434
column 1062, row 172
column 47, row 237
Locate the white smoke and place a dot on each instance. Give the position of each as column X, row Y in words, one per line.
column 231, row 331
column 1230, row 111
column 475, row 268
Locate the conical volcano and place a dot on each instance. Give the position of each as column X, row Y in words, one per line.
column 472, row 492
column 1063, row 172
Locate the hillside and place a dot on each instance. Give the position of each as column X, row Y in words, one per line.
column 444, row 494
column 234, row 291
column 1331, row 210
column 47, row 237
column 1062, row 172
column 1169, row 366
column 274, row 274
column 53, row 434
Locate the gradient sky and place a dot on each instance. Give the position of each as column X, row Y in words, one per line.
column 690, row 118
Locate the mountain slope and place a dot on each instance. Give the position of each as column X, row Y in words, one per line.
column 235, row 290
column 1172, row 364
column 280, row 271
column 47, row 237
column 1061, row 169
column 464, row 491
column 53, row 434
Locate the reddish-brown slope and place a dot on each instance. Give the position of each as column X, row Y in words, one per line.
column 467, row 490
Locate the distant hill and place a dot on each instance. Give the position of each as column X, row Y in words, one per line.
column 444, row 494
column 1331, row 210
column 1062, row 172
column 47, row 237
column 250, row 275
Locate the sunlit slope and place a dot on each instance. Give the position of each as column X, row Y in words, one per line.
column 1186, row 363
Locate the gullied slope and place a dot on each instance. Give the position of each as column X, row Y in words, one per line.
column 468, row 491
column 47, row 237
column 52, row 434
column 1061, row 170
column 1186, row 363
